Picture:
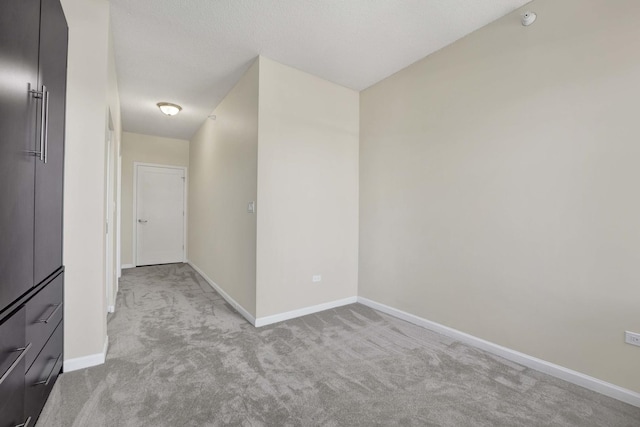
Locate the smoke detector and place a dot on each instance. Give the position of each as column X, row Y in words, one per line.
column 528, row 18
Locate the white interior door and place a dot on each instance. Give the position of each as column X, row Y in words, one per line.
column 159, row 215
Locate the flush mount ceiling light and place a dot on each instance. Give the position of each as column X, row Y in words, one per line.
column 168, row 108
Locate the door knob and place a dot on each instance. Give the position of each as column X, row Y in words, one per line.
column 142, row 221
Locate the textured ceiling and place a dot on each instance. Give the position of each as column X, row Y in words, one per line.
column 192, row 52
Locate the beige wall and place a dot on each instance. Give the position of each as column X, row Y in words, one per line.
column 115, row 128
column 307, row 190
column 143, row 149
column 222, row 180
column 499, row 186
column 89, row 95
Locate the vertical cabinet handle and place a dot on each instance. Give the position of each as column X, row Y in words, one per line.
column 44, row 122
column 25, row 424
column 45, row 149
column 43, row 119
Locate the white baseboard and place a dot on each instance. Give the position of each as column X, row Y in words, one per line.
column 125, row 266
column 574, row 377
column 111, row 308
column 224, row 295
column 87, row 361
column 268, row 320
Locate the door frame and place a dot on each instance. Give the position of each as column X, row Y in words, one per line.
column 135, row 207
column 119, row 219
column 109, row 216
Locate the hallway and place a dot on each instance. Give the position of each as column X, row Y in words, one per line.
column 180, row 355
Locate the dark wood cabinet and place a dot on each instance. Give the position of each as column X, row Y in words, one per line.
column 33, row 62
column 41, row 376
column 48, row 175
column 43, row 314
column 13, row 351
column 19, row 40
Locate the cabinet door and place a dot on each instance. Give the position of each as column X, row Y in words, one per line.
column 19, row 34
column 49, row 175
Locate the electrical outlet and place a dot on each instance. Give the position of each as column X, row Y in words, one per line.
column 316, row 278
column 632, row 338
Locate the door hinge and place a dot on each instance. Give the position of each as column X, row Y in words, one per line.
column 106, row 227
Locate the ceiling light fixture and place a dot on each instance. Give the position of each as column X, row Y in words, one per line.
column 168, row 108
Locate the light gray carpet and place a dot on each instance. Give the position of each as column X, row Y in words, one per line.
column 181, row 356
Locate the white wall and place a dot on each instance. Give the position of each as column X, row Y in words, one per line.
column 499, row 181
column 307, row 190
column 88, row 98
column 289, row 141
column 115, row 128
column 144, row 149
column 222, row 180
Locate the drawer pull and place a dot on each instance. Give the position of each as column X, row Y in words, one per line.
column 25, row 424
column 53, row 313
column 53, row 368
column 24, row 351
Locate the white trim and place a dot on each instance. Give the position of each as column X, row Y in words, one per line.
column 134, row 219
column 87, row 361
column 135, row 207
column 225, row 295
column 185, row 209
column 268, row 320
column 574, row 377
column 118, row 214
column 126, row 266
column 111, row 308
column 108, row 217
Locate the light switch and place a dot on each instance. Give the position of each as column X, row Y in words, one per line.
column 251, row 207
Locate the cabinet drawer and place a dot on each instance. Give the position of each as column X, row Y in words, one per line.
column 12, row 397
column 44, row 312
column 42, row 375
column 12, row 366
column 11, row 338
